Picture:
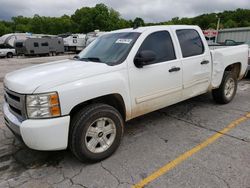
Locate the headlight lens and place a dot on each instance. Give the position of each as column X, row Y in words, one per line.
column 43, row 105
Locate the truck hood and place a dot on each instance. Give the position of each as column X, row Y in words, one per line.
column 49, row 75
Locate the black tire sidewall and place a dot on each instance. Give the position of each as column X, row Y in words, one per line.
column 82, row 124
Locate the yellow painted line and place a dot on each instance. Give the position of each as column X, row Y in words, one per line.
column 169, row 166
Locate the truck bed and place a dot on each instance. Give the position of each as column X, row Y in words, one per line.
column 222, row 56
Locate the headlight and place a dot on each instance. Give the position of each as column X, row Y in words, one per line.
column 43, row 105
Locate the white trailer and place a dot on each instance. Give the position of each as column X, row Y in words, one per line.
column 74, row 42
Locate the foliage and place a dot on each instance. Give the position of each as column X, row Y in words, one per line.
column 138, row 22
column 101, row 17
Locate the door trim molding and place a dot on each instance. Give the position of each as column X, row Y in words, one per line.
column 156, row 95
column 195, row 82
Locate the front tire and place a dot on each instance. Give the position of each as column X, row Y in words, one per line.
column 9, row 55
column 95, row 132
column 227, row 90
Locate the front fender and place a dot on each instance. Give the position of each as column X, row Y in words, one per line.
column 77, row 92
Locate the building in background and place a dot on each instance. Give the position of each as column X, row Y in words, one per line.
column 241, row 34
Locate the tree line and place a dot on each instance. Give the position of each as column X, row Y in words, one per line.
column 101, row 17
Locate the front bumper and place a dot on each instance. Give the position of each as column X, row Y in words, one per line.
column 40, row 134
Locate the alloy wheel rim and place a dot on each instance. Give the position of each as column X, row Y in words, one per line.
column 229, row 88
column 100, row 135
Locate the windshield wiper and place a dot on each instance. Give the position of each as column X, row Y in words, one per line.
column 94, row 59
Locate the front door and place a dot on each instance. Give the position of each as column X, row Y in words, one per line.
column 159, row 83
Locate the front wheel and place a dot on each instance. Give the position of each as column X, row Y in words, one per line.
column 9, row 55
column 227, row 90
column 95, row 132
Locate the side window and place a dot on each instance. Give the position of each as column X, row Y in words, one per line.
column 36, row 44
column 45, row 44
column 161, row 44
column 190, row 42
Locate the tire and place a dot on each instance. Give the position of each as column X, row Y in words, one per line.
column 248, row 74
column 9, row 55
column 84, row 130
column 223, row 94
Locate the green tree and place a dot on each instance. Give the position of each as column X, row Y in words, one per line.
column 4, row 29
column 138, row 22
column 101, row 17
column 230, row 24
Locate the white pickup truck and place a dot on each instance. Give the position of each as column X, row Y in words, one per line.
column 83, row 103
column 7, row 52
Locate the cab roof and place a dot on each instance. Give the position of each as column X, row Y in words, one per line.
column 160, row 27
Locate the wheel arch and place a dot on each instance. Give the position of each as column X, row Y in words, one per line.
column 235, row 68
column 115, row 100
column 218, row 73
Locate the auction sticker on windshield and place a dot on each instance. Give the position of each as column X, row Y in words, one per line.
column 124, row 41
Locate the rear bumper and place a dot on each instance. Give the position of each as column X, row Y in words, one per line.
column 42, row 134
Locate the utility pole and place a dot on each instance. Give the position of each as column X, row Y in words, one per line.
column 218, row 27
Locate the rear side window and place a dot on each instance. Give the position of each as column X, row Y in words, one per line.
column 36, row 44
column 190, row 42
column 161, row 44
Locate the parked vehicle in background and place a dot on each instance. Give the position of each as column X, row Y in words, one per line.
column 9, row 39
column 83, row 103
column 93, row 35
column 39, row 46
column 248, row 68
column 230, row 42
column 74, row 42
column 7, row 51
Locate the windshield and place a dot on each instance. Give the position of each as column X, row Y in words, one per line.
column 111, row 48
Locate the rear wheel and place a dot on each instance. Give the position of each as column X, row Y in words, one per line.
column 248, row 74
column 95, row 132
column 227, row 90
column 9, row 55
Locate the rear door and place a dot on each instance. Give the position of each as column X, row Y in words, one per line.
column 196, row 62
column 159, row 83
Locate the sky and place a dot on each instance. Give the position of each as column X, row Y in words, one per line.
column 149, row 10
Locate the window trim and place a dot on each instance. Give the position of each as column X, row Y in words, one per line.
column 203, row 51
column 162, row 61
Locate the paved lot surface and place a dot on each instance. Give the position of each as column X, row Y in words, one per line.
column 149, row 143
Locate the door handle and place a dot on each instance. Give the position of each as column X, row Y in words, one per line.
column 204, row 62
column 174, row 69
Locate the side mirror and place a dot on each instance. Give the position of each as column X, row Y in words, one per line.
column 143, row 58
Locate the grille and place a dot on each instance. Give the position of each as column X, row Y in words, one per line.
column 16, row 103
